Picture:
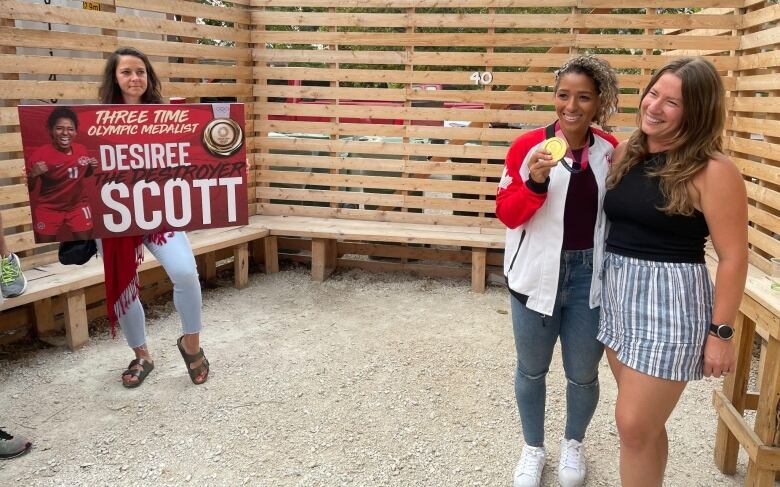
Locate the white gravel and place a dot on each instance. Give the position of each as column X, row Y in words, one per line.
column 364, row 380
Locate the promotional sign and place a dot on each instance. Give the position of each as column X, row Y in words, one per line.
column 96, row 171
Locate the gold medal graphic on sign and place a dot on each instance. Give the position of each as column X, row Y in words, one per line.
column 556, row 146
column 222, row 136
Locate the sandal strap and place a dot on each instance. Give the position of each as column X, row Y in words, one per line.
column 146, row 367
column 203, row 367
column 188, row 358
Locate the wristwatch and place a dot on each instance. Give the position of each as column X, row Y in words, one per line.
column 724, row 332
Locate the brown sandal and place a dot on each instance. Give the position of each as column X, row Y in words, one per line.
column 146, row 367
column 190, row 359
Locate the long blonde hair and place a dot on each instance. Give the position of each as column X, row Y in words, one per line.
column 699, row 139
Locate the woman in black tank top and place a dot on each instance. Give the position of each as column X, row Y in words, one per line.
column 662, row 322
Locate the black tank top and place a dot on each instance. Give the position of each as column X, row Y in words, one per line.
column 639, row 229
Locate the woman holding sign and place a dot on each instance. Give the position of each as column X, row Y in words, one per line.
column 550, row 198
column 129, row 78
column 663, row 324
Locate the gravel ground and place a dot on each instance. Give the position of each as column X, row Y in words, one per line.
column 364, row 380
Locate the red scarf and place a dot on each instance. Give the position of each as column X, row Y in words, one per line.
column 121, row 258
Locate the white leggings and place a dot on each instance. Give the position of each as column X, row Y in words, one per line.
column 178, row 261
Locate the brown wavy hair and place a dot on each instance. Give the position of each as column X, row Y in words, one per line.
column 109, row 91
column 699, row 139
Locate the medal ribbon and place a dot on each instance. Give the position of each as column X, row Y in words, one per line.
column 583, row 159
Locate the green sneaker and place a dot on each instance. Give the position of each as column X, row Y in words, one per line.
column 12, row 446
column 12, row 281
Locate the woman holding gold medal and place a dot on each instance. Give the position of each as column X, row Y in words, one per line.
column 129, row 78
column 550, row 198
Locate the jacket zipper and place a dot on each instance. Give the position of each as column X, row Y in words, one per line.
column 512, row 264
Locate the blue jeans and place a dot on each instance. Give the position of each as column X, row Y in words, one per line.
column 178, row 261
column 535, row 337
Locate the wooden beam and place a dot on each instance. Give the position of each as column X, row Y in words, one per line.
column 478, row 259
column 44, row 317
column 76, row 323
column 323, row 258
column 271, row 252
column 734, row 389
column 241, row 265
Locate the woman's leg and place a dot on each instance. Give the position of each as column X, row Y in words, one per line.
column 644, row 404
column 535, row 337
column 132, row 323
column 580, row 350
column 178, row 261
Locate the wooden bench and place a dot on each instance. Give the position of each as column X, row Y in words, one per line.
column 326, row 232
column 759, row 317
column 47, row 281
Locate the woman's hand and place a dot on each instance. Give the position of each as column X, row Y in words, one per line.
column 719, row 357
column 37, row 169
column 539, row 165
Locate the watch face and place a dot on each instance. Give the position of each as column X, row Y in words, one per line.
column 725, row 332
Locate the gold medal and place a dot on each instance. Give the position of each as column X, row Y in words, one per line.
column 556, row 146
column 222, row 136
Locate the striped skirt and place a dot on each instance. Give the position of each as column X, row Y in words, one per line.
column 656, row 315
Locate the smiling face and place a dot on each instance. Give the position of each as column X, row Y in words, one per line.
column 661, row 112
column 131, row 78
column 62, row 134
column 576, row 104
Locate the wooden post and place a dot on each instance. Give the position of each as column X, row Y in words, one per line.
column 241, row 265
column 257, row 252
column 478, row 277
column 76, row 329
column 735, row 389
column 209, row 266
column 323, row 258
column 44, row 317
column 766, row 414
column 271, row 255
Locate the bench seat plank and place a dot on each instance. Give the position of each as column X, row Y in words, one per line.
column 56, row 279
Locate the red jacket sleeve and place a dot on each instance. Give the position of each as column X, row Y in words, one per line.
column 516, row 203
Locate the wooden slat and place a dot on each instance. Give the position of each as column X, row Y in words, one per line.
column 496, row 21
column 495, row 3
column 108, row 20
column 195, row 9
column 761, row 104
column 715, row 43
column 383, row 165
column 378, row 199
column 376, row 182
column 434, row 77
column 18, row 37
column 388, row 148
column 268, row 209
column 88, row 90
column 410, row 131
column 550, row 60
column 13, row 63
column 756, row 148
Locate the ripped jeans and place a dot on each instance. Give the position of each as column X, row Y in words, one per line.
column 535, row 336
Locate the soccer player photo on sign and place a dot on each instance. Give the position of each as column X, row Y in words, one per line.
column 56, row 173
column 136, row 169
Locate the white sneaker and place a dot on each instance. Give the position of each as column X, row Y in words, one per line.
column 528, row 472
column 571, row 466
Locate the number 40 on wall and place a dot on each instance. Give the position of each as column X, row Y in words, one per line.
column 481, row 77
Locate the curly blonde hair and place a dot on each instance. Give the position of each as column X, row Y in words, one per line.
column 603, row 76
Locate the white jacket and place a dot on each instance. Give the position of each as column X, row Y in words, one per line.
column 533, row 250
